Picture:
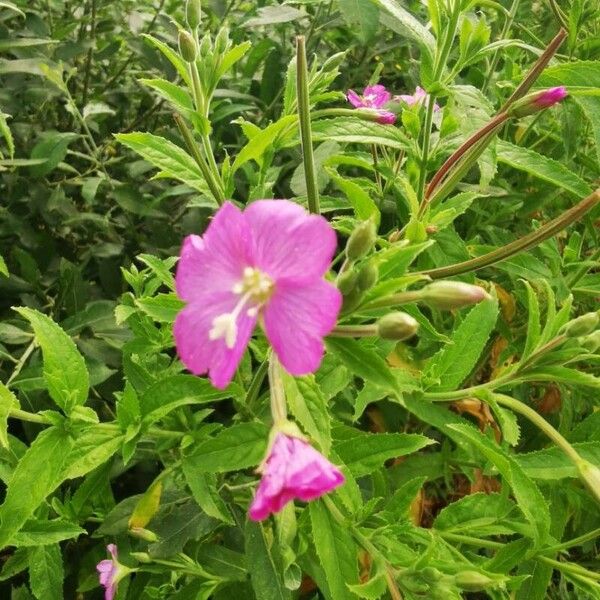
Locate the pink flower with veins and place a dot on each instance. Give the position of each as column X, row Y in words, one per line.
column 108, row 571
column 374, row 97
column 293, row 469
column 419, row 97
column 265, row 265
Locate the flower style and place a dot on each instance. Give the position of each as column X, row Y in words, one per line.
column 110, row 573
column 293, row 469
column 374, row 97
column 419, row 97
column 265, row 265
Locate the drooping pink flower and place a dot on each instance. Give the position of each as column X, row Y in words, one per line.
column 108, row 571
column 294, row 469
column 419, row 97
column 550, row 96
column 265, row 264
column 374, row 97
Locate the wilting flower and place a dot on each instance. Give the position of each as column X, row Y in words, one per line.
column 293, row 469
column 373, row 97
column 265, row 264
column 419, row 97
column 110, row 572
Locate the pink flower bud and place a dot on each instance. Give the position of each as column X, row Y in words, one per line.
column 293, row 469
column 536, row 101
column 551, row 96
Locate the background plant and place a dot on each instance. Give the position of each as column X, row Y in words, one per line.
column 105, row 439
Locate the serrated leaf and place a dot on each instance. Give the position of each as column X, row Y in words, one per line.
column 65, row 372
column 46, row 572
column 205, row 492
column 39, row 533
column 172, row 57
column 8, row 402
column 162, row 307
column 353, row 130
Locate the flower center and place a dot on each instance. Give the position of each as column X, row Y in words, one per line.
column 254, row 289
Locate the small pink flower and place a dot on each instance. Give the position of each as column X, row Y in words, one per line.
column 108, row 571
column 294, row 469
column 419, row 97
column 550, row 96
column 265, row 265
column 374, row 97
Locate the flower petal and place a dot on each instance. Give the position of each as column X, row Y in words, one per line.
column 386, row 117
column 378, row 95
column 198, row 352
column 287, row 241
column 354, row 99
column 296, row 318
column 216, row 260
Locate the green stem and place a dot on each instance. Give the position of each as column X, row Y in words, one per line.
column 354, row 331
column 312, row 190
column 471, row 541
column 23, row 415
column 569, row 568
column 525, row 243
column 256, row 384
column 578, row 541
column 425, row 152
column 22, row 360
column 466, row 392
column 394, row 300
column 582, row 271
column 278, row 403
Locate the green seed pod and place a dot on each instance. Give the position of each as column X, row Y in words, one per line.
column 361, row 240
column 142, row 557
column 431, row 574
column 591, row 343
column 448, row 295
column 347, row 282
column 143, row 534
column 367, row 276
column 583, row 325
column 473, row 581
column 396, row 326
column 193, row 13
column 187, row 46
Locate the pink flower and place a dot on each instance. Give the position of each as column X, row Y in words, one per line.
column 108, row 571
column 550, row 96
column 419, row 97
column 294, row 469
column 265, row 264
column 374, row 97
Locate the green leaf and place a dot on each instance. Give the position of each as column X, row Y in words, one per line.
column 529, row 498
column 179, row 64
column 453, row 363
column 46, row 572
column 3, row 267
column 562, row 375
column 6, row 133
column 65, row 372
column 362, row 17
column 362, row 203
column 205, row 492
column 53, row 149
column 38, row 533
column 533, row 324
column 237, row 447
column 309, row 407
column 336, row 551
column 366, row 452
column 175, row 94
column 173, row 161
column 162, row 307
column 353, row 130
column 8, row 401
column 264, row 564
column 544, row 168
column 42, row 463
column 551, row 464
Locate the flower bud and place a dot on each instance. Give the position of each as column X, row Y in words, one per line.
column 447, row 295
column 396, row 326
column 144, row 534
column 205, row 46
column 591, row 476
column 142, row 557
column 367, row 277
column 222, row 40
column 351, row 300
column 537, row 101
column 361, row 240
column 473, row 581
column 591, row 343
column 583, row 325
column 347, row 281
column 187, row 46
column 193, row 13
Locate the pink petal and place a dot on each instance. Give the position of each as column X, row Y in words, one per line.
column 217, row 259
column 296, row 318
column 386, row 117
column 379, row 94
column 354, row 99
column 287, row 241
column 198, row 352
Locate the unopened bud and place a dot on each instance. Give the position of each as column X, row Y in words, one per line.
column 347, row 282
column 193, row 13
column 205, row 46
column 396, row 326
column 583, row 325
column 351, row 300
column 537, row 101
column 361, row 240
column 591, row 476
column 473, row 581
column 367, row 277
column 448, row 295
column 143, row 534
column 591, row 343
column 142, row 557
column 222, row 40
column 187, row 46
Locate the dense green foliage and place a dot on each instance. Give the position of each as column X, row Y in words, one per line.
column 467, row 449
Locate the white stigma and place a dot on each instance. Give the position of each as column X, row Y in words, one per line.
column 255, row 289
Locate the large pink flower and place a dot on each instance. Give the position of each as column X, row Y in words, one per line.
column 373, row 97
column 108, row 571
column 266, row 263
column 419, row 97
column 294, row 469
